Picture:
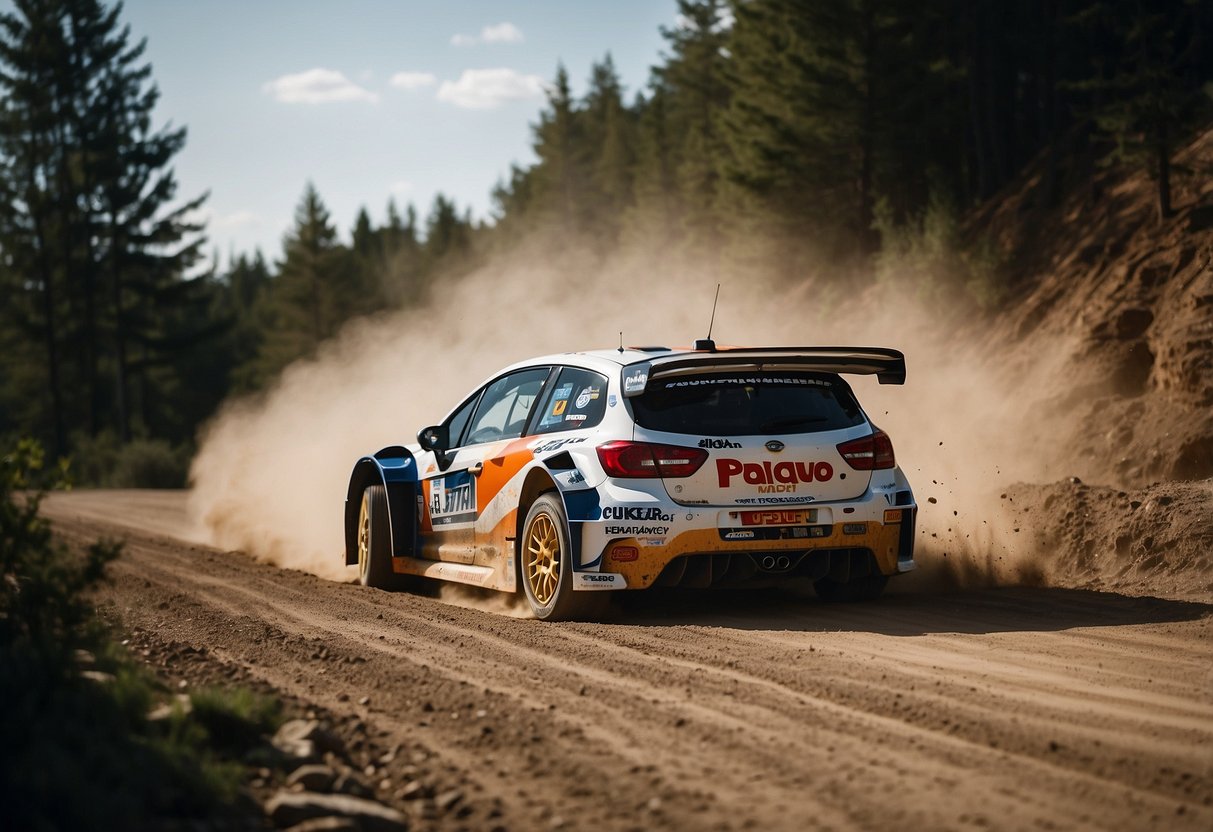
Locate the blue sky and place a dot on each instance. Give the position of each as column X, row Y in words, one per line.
column 369, row 99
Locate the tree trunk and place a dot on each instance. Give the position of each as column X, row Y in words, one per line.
column 1049, row 106
column 52, row 346
column 1163, row 158
column 976, row 78
column 121, row 406
column 868, row 138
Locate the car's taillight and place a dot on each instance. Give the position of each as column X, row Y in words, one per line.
column 869, row 453
column 640, row 460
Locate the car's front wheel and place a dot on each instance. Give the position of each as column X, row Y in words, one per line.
column 375, row 541
column 545, row 561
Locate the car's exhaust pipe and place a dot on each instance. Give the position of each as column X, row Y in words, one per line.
column 782, row 562
column 768, row 563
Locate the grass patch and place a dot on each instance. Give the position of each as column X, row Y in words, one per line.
column 79, row 748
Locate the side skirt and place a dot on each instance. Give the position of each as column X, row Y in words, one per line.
column 482, row 576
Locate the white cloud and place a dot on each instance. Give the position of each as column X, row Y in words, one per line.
column 317, row 86
column 501, row 33
column 413, row 80
column 486, row 89
column 402, row 187
column 497, row 33
column 236, row 219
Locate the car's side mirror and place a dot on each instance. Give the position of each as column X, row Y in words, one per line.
column 434, row 438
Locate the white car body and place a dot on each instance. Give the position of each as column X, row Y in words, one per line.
column 611, row 436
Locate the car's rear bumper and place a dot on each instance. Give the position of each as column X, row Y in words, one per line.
column 715, row 561
column 702, row 546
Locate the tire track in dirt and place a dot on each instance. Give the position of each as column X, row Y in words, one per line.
column 1005, row 708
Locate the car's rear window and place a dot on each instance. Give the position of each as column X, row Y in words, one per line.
column 747, row 404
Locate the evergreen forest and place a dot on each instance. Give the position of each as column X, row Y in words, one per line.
column 832, row 132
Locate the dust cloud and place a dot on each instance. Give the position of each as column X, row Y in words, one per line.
column 271, row 473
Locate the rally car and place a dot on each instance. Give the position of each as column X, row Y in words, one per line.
column 572, row 475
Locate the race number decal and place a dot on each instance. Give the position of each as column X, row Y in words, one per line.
column 453, row 500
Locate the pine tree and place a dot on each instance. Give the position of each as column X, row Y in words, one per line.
column 562, row 179
column 315, row 291
column 694, row 88
column 608, row 131
column 86, row 187
column 1146, row 90
column 447, row 235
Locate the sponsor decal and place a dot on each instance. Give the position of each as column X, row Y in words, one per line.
column 556, row 444
column 762, row 501
column 775, row 446
column 771, row 477
column 559, row 403
column 599, row 580
column 734, row 381
column 612, row 400
column 775, row 518
column 575, row 478
column 576, row 417
column 776, row 533
column 642, row 514
column 588, row 395
column 652, row 541
column 624, row 554
column 453, row 499
column 635, row 378
column 633, row 531
column 718, row 443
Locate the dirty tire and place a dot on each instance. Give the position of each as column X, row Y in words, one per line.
column 867, row 588
column 546, row 569
column 375, row 542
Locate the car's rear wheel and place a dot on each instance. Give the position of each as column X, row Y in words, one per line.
column 375, row 542
column 545, row 561
column 867, row 588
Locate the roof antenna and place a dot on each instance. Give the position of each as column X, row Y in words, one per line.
column 621, row 340
column 708, row 343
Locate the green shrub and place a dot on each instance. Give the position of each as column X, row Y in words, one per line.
column 79, row 751
column 235, row 719
column 102, row 461
column 926, row 254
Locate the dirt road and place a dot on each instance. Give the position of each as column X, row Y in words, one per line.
column 1012, row 708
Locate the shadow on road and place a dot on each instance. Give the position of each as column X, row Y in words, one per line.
column 1000, row 610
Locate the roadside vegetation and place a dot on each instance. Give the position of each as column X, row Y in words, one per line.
column 91, row 740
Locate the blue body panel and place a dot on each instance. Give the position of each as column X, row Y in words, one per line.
column 396, row 470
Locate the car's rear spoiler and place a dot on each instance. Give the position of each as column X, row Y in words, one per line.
column 889, row 366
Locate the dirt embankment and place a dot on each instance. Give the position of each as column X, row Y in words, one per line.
column 1132, row 299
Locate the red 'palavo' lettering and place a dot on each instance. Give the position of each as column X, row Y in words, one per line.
column 768, row 473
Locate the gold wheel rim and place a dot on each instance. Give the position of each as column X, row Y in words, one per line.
column 542, row 559
column 364, row 537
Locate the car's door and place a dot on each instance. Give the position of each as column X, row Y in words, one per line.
column 455, row 495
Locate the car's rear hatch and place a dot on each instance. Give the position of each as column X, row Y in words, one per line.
column 771, row 430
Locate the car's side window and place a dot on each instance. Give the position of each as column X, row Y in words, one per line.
column 578, row 400
column 505, row 406
column 459, row 421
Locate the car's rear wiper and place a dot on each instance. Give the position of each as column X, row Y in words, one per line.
column 776, row 425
